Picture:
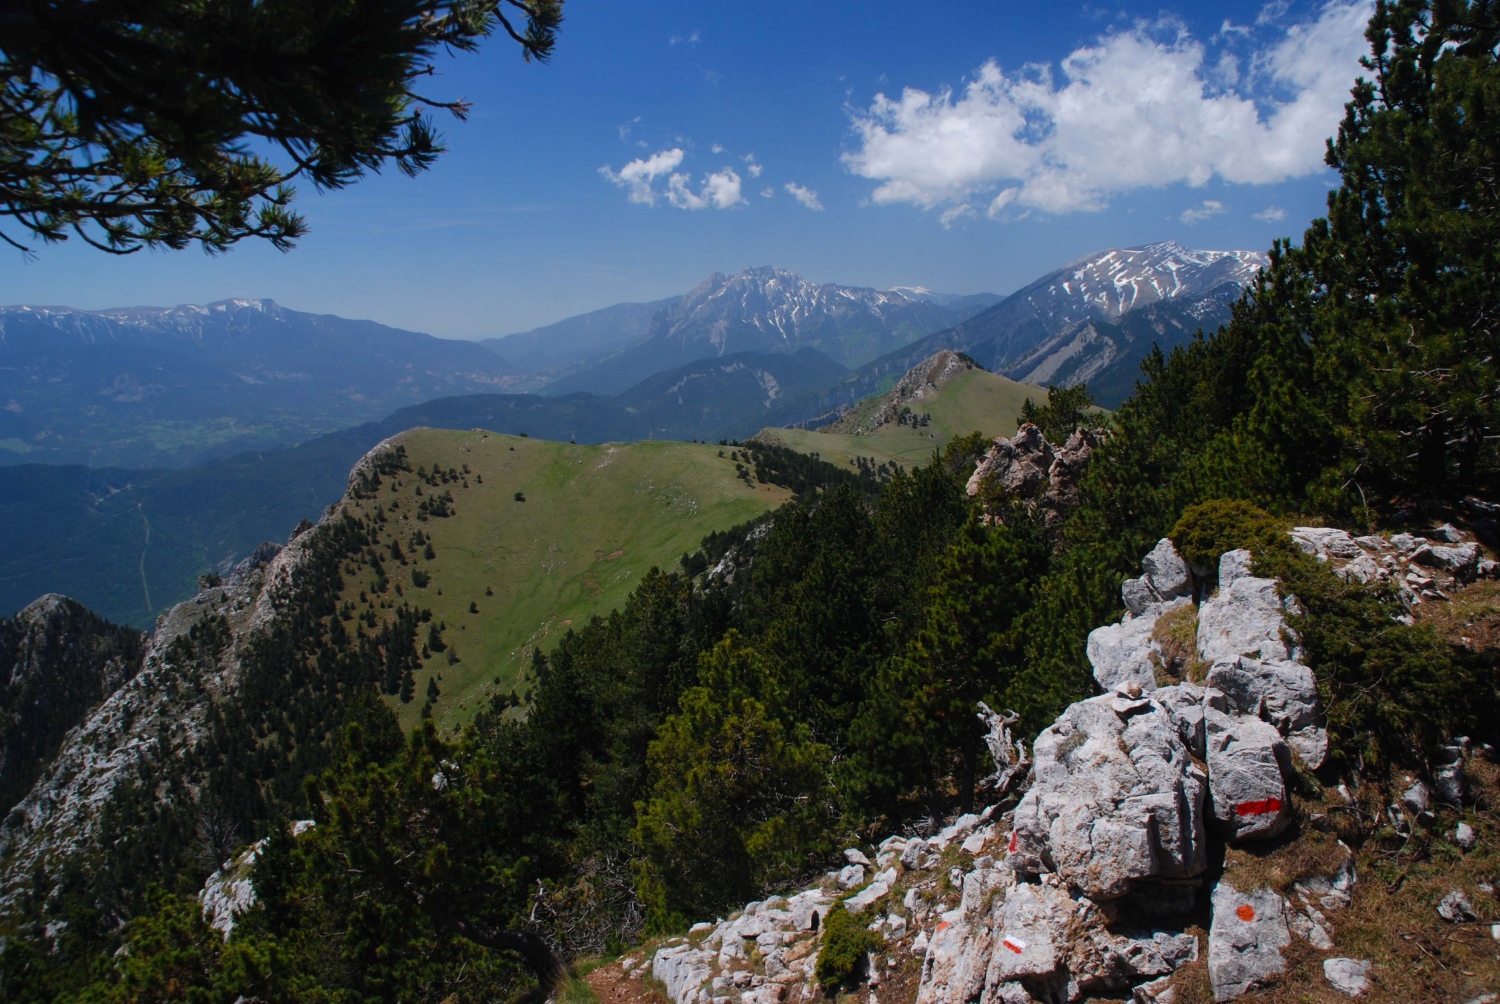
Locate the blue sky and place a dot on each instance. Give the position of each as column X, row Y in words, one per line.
column 962, row 146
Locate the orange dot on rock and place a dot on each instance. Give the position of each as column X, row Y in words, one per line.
column 1245, row 912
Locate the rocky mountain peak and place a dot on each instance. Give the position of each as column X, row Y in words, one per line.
column 766, row 308
column 1110, row 283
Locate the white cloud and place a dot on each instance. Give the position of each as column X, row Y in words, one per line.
column 692, row 38
column 768, row 192
column 1271, row 214
column 1140, row 108
column 751, row 167
column 716, row 148
column 627, row 128
column 719, row 190
column 639, row 176
column 1210, row 208
column 806, row 196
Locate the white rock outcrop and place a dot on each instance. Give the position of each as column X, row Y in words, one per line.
column 1246, row 763
column 1246, row 617
column 1116, row 799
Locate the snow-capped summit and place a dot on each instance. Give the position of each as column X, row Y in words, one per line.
column 768, row 308
column 1109, row 283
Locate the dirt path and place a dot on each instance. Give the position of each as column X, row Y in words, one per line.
column 612, row 986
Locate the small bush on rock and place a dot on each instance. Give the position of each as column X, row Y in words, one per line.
column 1208, row 529
column 846, row 944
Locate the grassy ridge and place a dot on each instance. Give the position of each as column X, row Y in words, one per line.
column 974, row 401
column 594, row 520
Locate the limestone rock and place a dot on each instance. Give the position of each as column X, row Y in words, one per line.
column 855, row 856
column 1245, row 617
column 1465, row 837
column 851, row 876
column 1138, row 595
column 1350, row 977
column 1324, row 543
column 1461, row 561
column 1184, row 702
column 1246, row 760
column 1455, row 907
column 1280, row 692
column 1124, row 653
column 1167, row 572
column 1248, row 932
column 1116, row 799
column 876, row 890
column 1029, row 468
column 682, row 969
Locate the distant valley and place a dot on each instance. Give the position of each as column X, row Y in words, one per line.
column 146, row 489
column 167, row 387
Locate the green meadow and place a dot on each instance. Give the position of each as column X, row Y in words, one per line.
column 976, row 401
column 595, row 519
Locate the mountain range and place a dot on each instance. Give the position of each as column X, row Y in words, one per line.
column 773, row 310
column 169, row 386
column 128, row 530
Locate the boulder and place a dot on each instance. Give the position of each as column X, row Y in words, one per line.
column 1283, row 693
column 871, row 893
column 1460, row 560
column 1167, row 572
column 1245, row 939
column 1350, row 977
column 1116, row 799
column 855, row 856
column 1124, row 653
column 1246, row 617
column 1363, row 569
column 1246, row 761
column 1324, row 542
column 1465, row 837
column 1138, row 595
column 851, row 876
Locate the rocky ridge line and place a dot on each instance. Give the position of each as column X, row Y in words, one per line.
column 1084, row 887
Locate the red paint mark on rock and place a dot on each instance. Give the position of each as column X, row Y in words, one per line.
column 1245, row 912
column 1015, row 945
column 943, row 926
column 1262, row 807
column 1013, row 845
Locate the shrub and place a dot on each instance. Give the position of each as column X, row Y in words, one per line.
column 1208, row 529
column 846, row 944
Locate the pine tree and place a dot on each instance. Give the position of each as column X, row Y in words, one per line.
column 130, row 124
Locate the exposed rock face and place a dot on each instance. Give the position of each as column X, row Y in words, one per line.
column 58, row 661
column 1117, row 799
column 228, row 892
column 1113, row 826
column 1126, row 653
column 1245, row 617
column 157, row 713
column 917, row 385
column 1028, row 467
column 1246, row 760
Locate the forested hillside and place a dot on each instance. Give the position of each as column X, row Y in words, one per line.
column 811, row 679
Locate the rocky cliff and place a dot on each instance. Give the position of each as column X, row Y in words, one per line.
column 59, row 661
column 1163, row 847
